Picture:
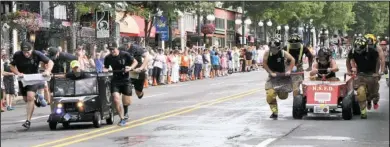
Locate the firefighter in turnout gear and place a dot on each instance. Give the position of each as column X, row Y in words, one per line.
column 324, row 65
column 363, row 60
column 274, row 63
column 296, row 49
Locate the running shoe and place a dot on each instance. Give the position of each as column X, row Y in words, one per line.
column 27, row 124
column 122, row 122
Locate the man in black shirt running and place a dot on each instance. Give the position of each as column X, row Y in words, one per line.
column 122, row 63
column 27, row 61
column 142, row 58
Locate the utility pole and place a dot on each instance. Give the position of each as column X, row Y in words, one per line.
column 242, row 22
column 198, row 20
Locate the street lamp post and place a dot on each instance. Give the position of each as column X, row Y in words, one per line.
column 310, row 30
column 269, row 24
column 286, row 27
column 210, row 18
column 242, row 19
column 261, row 24
column 243, row 23
column 182, row 30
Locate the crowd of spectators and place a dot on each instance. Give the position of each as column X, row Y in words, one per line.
column 167, row 66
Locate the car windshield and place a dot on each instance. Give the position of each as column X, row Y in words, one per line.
column 67, row 87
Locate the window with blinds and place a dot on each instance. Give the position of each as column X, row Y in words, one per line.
column 219, row 23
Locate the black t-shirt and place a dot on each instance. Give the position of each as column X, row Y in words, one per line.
column 295, row 53
column 276, row 62
column 119, row 63
column 248, row 55
column 62, row 61
column 137, row 52
column 29, row 65
column 72, row 75
column 366, row 61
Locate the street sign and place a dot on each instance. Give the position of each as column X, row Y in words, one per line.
column 102, row 24
column 162, row 28
column 164, row 36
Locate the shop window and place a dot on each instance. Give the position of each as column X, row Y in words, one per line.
column 219, row 23
column 230, row 25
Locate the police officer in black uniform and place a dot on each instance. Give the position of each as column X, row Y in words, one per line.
column 27, row 61
column 274, row 63
column 122, row 63
column 324, row 65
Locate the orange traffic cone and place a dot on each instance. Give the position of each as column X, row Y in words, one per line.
column 169, row 79
column 146, row 83
column 154, row 82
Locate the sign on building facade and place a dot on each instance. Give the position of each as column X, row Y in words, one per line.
column 102, row 24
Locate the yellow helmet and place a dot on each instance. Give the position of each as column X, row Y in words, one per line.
column 371, row 38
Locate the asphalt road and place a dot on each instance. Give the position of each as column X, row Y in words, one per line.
column 223, row 112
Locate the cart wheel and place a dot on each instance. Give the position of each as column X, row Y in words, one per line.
column 347, row 108
column 97, row 120
column 66, row 125
column 110, row 119
column 299, row 107
column 355, row 106
column 53, row 125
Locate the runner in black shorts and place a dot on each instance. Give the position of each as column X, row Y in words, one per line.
column 142, row 58
column 27, row 61
column 120, row 82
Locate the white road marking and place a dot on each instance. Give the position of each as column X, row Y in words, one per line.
column 266, row 142
column 219, row 83
column 296, row 146
column 155, row 95
column 34, row 118
column 177, row 85
column 330, row 138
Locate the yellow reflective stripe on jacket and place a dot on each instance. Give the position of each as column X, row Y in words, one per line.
column 300, row 52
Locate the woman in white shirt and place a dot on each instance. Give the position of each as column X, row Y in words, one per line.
column 158, row 63
column 175, row 67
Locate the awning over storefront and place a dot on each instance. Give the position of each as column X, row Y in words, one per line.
column 128, row 25
column 132, row 25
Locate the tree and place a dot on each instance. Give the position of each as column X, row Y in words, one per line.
column 371, row 17
column 338, row 15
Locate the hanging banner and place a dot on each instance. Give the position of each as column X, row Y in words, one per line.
column 102, row 24
column 162, row 28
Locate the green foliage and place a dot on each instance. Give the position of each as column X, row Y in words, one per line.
column 339, row 15
column 371, row 17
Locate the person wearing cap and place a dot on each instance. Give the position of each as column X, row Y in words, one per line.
column 122, row 63
column 27, row 61
column 60, row 59
column 76, row 72
column 143, row 59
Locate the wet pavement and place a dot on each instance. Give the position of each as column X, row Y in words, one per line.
column 223, row 112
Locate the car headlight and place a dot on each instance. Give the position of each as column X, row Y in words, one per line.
column 80, row 104
column 59, row 105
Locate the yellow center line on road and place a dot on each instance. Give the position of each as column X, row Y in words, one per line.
column 142, row 119
column 154, row 120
